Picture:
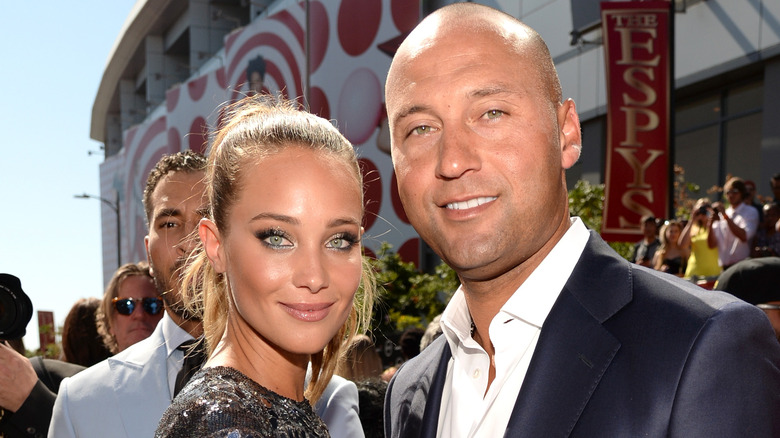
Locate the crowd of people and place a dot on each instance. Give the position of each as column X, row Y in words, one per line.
column 715, row 236
column 723, row 244
column 249, row 316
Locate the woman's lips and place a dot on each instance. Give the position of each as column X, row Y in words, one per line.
column 309, row 312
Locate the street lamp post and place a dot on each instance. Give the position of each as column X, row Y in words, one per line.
column 114, row 206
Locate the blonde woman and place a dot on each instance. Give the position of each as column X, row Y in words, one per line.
column 280, row 274
column 671, row 257
column 703, row 259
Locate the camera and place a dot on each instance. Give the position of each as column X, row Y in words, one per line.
column 703, row 209
column 15, row 308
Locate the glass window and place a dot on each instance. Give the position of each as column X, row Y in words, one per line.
column 719, row 134
column 745, row 98
column 743, row 146
column 696, row 152
column 585, row 13
column 702, row 111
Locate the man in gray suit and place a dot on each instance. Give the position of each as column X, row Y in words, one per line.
column 127, row 394
column 551, row 332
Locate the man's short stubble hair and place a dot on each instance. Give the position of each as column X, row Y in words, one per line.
column 186, row 161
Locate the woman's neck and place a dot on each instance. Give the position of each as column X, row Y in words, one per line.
column 244, row 350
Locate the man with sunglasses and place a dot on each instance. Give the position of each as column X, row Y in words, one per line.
column 732, row 229
column 131, row 307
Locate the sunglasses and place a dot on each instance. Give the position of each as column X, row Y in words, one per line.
column 126, row 306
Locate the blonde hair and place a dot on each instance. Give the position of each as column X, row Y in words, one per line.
column 257, row 127
column 665, row 243
column 361, row 360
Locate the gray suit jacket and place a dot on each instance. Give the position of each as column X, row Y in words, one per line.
column 126, row 395
column 123, row 396
column 625, row 352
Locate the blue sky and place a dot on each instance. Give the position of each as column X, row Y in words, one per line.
column 53, row 56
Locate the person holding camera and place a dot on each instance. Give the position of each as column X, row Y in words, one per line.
column 28, row 387
column 703, row 260
column 732, row 229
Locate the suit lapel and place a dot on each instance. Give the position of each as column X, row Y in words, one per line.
column 430, row 421
column 574, row 349
column 141, row 384
column 414, row 394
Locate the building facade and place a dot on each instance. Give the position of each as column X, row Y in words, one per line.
column 176, row 63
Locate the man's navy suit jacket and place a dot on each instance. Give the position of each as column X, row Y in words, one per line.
column 625, row 352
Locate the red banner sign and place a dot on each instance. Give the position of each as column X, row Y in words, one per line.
column 46, row 329
column 638, row 72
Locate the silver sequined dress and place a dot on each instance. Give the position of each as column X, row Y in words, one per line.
column 223, row 402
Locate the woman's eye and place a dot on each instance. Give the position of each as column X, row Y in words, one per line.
column 274, row 239
column 341, row 242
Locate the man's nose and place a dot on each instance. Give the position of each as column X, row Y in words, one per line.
column 457, row 155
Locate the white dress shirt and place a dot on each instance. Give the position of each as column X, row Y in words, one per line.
column 467, row 410
column 174, row 336
column 730, row 249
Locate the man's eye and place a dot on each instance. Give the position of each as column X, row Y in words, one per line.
column 421, row 130
column 494, row 114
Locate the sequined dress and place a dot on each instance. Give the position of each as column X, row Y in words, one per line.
column 223, row 402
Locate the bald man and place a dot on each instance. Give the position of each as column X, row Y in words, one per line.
column 551, row 332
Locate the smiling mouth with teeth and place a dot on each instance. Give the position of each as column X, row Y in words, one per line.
column 471, row 203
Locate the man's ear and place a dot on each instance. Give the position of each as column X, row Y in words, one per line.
column 148, row 255
column 570, row 135
column 212, row 244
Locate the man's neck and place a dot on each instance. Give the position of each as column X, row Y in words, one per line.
column 191, row 326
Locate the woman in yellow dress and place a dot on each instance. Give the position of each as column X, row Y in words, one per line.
column 703, row 261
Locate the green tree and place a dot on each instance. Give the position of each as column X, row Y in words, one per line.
column 409, row 297
column 586, row 200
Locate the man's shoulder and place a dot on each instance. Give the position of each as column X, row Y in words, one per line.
column 424, row 363
column 680, row 300
column 337, row 385
column 98, row 377
column 338, row 391
column 748, row 211
column 627, row 288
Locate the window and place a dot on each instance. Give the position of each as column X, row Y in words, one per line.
column 719, row 133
